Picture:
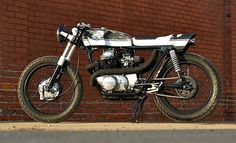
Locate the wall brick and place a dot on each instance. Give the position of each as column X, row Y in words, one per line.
column 27, row 31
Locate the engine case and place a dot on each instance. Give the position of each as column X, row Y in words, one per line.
column 109, row 59
column 117, row 82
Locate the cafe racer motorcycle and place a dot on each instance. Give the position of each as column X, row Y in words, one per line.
column 185, row 87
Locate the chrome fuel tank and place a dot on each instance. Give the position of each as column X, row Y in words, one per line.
column 106, row 37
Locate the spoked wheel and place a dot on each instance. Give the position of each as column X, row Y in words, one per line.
column 200, row 96
column 49, row 106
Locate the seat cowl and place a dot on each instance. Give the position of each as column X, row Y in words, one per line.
column 183, row 36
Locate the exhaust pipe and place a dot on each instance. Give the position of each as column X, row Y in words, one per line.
column 141, row 69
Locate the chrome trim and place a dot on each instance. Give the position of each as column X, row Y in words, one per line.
column 64, row 55
column 70, row 53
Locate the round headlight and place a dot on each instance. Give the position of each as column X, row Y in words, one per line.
column 61, row 38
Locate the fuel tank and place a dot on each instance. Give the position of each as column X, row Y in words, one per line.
column 106, row 37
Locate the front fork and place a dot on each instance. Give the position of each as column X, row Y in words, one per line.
column 66, row 56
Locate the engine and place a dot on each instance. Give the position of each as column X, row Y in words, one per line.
column 117, row 82
column 113, row 58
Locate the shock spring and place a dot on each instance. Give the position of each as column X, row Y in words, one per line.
column 175, row 62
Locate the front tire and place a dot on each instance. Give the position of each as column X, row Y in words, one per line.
column 58, row 108
column 172, row 107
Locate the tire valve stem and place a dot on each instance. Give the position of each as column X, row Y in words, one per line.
column 175, row 62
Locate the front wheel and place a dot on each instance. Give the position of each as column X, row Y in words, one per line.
column 198, row 101
column 49, row 106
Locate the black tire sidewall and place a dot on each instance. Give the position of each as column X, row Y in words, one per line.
column 25, row 103
column 213, row 100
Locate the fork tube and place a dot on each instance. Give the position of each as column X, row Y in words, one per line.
column 54, row 76
column 65, row 56
column 65, row 53
column 70, row 53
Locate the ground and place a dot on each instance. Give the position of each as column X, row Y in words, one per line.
column 34, row 132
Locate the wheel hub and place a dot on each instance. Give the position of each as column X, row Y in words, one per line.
column 48, row 94
column 189, row 87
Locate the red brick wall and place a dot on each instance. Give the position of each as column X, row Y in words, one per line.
column 231, row 53
column 27, row 31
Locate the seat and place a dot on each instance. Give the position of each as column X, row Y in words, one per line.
column 152, row 42
column 179, row 41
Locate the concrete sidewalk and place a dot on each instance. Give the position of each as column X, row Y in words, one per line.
column 34, row 132
column 74, row 126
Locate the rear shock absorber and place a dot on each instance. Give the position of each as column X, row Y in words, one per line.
column 175, row 62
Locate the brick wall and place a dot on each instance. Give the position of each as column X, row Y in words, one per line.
column 27, row 31
column 230, row 53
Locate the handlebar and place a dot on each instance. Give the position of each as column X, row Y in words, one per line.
column 82, row 25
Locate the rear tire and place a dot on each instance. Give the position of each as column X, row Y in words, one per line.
column 181, row 116
column 25, row 99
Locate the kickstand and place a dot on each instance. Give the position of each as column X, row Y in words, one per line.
column 138, row 108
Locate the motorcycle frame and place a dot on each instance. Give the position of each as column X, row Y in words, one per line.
column 164, row 57
column 74, row 42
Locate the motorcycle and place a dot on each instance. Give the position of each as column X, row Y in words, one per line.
column 185, row 87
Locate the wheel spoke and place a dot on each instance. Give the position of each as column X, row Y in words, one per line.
column 34, row 84
column 196, row 74
column 182, row 104
column 188, row 67
column 60, row 105
column 42, row 103
column 190, row 101
column 55, row 105
column 35, row 93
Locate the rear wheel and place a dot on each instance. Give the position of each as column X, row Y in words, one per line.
column 49, row 106
column 198, row 101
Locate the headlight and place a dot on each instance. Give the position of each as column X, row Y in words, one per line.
column 61, row 38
